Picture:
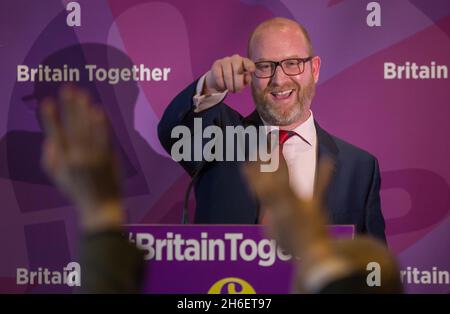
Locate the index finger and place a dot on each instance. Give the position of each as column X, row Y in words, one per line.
column 50, row 120
column 249, row 65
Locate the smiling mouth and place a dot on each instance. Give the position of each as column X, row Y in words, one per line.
column 283, row 94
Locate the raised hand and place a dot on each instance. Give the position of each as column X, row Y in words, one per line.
column 230, row 73
column 78, row 156
column 297, row 224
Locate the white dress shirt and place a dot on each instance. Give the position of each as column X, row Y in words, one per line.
column 300, row 152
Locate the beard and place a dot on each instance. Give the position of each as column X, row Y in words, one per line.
column 282, row 115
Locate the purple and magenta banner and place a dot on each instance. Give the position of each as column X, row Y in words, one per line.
column 216, row 259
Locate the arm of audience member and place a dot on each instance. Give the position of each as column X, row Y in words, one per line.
column 78, row 156
column 299, row 226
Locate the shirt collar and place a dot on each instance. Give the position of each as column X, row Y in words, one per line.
column 306, row 130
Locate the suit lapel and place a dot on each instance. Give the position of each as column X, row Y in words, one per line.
column 252, row 119
column 326, row 144
column 326, row 148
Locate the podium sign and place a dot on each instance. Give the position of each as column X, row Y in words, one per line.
column 222, row 259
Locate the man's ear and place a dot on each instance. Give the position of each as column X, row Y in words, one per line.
column 315, row 64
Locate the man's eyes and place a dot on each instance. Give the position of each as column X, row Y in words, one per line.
column 268, row 66
column 291, row 63
column 264, row 66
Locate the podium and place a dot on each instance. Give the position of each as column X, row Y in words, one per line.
column 215, row 259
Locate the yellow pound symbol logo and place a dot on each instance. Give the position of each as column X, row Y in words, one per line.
column 231, row 285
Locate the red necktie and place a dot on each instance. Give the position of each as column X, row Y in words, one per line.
column 283, row 136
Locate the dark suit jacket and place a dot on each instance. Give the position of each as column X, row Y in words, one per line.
column 223, row 197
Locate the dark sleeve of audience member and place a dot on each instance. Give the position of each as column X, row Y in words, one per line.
column 110, row 264
column 356, row 283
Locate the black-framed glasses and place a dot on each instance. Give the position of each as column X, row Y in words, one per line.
column 291, row 67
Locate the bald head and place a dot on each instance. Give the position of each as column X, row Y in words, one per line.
column 282, row 26
column 275, row 40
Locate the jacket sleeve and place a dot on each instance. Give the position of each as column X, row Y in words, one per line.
column 180, row 112
column 374, row 220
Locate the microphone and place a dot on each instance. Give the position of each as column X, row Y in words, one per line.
column 195, row 176
column 187, row 194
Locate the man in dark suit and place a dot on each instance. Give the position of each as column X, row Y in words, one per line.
column 282, row 71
